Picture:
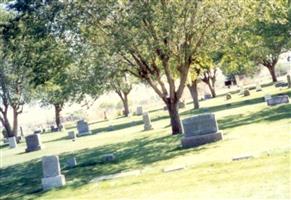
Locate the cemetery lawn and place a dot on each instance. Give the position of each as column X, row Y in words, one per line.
column 249, row 128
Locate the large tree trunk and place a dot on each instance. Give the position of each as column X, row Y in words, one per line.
column 270, row 64
column 58, row 109
column 125, row 104
column 212, row 89
column 15, row 121
column 7, row 126
column 272, row 71
column 175, row 117
column 194, row 93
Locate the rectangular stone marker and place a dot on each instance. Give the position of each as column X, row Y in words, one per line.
column 52, row 176
column 181, row 104
column 115, row 176
column 289, row 81
column 139, row 110
column 33, row 143
column 173, row 169
column 72, row 162
column 12, row 142
column 107, row 158
column 207, row 96
column 242, row 157
column 147, row 121
column 72, row 135
column 281, row 84
column 200, row 129
column 241, row 90
column 276, row 100
column 258, row 87
column 83, row 128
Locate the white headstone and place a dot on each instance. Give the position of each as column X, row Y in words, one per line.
column 147, row 121
column 52, row 176
column 12, row 142
column 258, row 87
column 139, row 110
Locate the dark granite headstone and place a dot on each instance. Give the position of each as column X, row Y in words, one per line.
column 199, row 130
column 276, row 100
column 33, row 142
column 83, row 128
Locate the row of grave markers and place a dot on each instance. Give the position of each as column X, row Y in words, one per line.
column 198, row 130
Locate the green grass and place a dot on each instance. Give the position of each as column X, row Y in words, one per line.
column 248, row 125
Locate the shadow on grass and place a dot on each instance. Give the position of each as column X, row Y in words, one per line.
column 225, row 106
column 23, row 181
column 269, row 114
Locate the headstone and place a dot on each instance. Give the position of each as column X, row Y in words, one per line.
column 21, row 131
column 181, row 104
column 54, row 129
column 12, row 142
column 242, row 157
column 107, row 158
column 72, row 162
column 276, row 100
column 207, row 96
column 52, row 176
column 289, row 81
column 147, row 121
column 38, row 131
column 199, row 130
column 227, row 83
column 83, row 128
column 33, row 142
column 110, row 128
column 139, row 110
column 116, row 176
column 267, row 96
column 258, row 87
column 72, row 135
column 241, row 90
column 173, row 169
column 228, row 96
column 247, row 93
column 281, row 84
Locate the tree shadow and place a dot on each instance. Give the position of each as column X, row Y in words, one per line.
column 24, row 180
column 269, row 114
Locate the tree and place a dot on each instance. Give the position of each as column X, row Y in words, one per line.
column 266, row 35
column 14, row 87
column 15, row 90
column 156, row 38
column 121, row 84
column 192, row 84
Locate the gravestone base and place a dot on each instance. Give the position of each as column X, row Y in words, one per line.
column 12, row 142
column 194, row 141
column 53, row 182
column 34, row 149
column 148, row 128
column 84, row 134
